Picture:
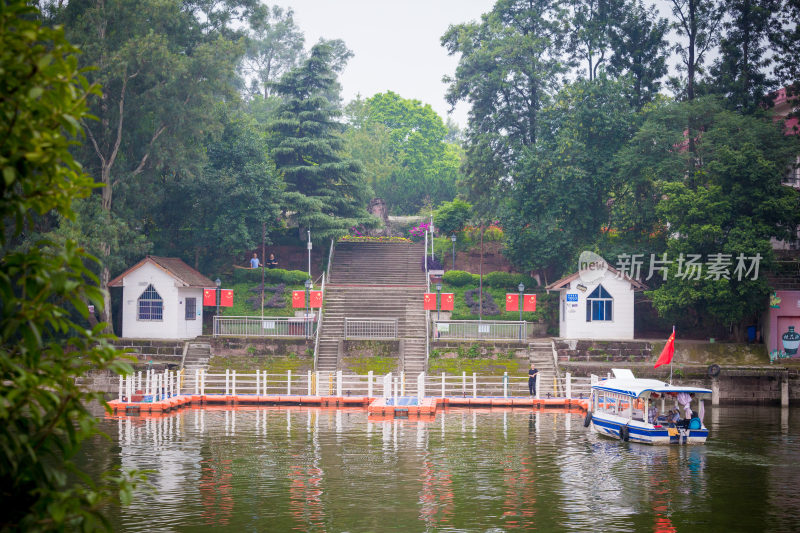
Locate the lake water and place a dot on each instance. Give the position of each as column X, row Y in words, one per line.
column 312, row 469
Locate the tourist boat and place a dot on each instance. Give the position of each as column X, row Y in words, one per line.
column 620, row 408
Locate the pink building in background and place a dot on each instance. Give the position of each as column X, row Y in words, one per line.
column 784, row 312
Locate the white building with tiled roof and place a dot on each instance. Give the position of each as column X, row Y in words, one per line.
column 600, row 307
column 162, row 298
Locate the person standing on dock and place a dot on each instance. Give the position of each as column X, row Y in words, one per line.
column 532, row 379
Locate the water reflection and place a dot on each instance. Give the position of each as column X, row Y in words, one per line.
column 316, row 469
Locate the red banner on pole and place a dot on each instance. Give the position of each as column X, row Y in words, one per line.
column 430, row 301
column 512, row 302
column 316, row 299
column 529, row 303
column 226, row 298
column 666, row 354
column 448, row 300
column 210, row 297
column 298, row 299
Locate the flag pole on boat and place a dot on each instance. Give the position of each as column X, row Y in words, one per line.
column 673, row 351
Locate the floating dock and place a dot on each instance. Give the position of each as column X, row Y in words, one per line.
column 403, row 407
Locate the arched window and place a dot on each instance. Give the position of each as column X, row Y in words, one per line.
column 151, row 306
column 599, row 305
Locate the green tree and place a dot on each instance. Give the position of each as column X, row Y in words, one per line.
column 325, row 192
column 452, row 216
column 162, row 65
column 740, row 73
column 45, row 342
column 510, row 66
column 729, row 202
column 230, row 207
column 591, row 27
column 420, row 167
column 697, row 22
column 639, row 49
column 784, row 38
column 559, row 198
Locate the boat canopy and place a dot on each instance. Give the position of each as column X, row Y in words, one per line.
column 625, row 383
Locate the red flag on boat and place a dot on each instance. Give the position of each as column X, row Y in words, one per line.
column 666, row 354
column 226, row 298
column 316, row 299
column 529, row 303
column 298, row 299
column 209, row 296
column 448, row 300
column 512, row 302
column 430, row 301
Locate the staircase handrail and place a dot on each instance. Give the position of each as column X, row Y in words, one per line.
column 319, row 321
column 555, row 361
column 330, row 258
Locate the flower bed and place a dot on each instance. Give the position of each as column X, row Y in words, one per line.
column 363, row 238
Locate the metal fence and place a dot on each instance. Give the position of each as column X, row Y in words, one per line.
column 370, row 328
column 487, row 330
column 253, row 326
column 373, row 385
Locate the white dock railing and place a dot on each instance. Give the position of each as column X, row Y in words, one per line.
column 485, row 330
column 308, row 383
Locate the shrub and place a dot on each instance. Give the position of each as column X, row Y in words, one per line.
column 457, row 278
column 276, row 275
column 489, row 307
column 508, row 281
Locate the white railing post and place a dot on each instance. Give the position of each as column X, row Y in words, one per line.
column 203, row 382
column 233, row 383
column 443, row 379
column 227, row 381
column 258, row 382
column 139, row 387
column 402, row 383
column 308, row 377
column 420, row 388
column 196, row 381
column 120, row 389
column 505, row 384
column 316, row 384
column 538, row 388
column 395, row 390
column 339, row 383
column 474, row 385
column 568, row 387
column 369, row 384
column 464, row 384
column 289, row 382
column 164, row 384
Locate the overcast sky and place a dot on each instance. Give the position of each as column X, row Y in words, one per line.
column 396, row 43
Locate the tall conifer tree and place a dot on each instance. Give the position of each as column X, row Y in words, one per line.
column 325, row 191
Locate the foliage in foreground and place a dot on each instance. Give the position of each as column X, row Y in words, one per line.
column 45, row 343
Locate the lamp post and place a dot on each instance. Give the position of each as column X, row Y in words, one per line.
column 308, row 294
column 438, row 298
column 308, row 245
column 219, row 284
column 521, row 288
column 453, row 238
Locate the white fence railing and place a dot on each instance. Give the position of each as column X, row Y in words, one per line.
column 370, row 328
column 486, row 330
column 254, row 326
column 318, row 331
column 371, row 385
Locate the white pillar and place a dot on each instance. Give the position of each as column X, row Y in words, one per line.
column 309, row 383
column 316, row 384
column 369, row 384
column 568, row 381
column 139, row 387
column 464, row 384
column 119, row 397
column 227, row 381
column 339, row 383
column 402, row 383
column 443, row 382
column 258, row 382
column 233, row 383
column 505, row 384
column 289, row 382
column 474, row 385
column 420, row 387
column 538, row 388
column 203, row 382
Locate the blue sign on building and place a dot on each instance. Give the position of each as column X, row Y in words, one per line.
column 572, row 296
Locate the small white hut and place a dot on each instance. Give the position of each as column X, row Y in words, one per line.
column 162, row 298
column 598, row 308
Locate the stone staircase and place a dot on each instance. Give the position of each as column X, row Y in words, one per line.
column 540, row 353
column 197, row 355
column 375, row 281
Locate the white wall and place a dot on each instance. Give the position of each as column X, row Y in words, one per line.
column 572, row 315
column 173, row 325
